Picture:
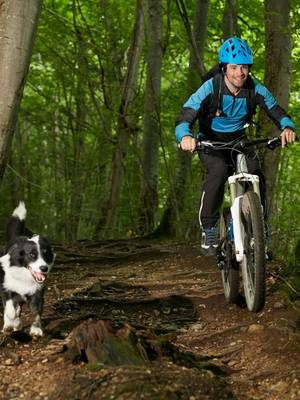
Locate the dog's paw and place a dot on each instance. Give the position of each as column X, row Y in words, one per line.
column 16, row 325
column 36, row 331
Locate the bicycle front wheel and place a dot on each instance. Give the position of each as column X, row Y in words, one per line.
column 253, row 264
column 230, row 270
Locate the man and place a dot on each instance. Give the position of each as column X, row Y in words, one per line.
column 224, row 105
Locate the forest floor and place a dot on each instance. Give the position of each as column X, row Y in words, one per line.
column 199, row 347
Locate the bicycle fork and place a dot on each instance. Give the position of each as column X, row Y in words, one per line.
column 236, row 185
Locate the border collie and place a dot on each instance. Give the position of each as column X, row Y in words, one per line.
column 23, row 271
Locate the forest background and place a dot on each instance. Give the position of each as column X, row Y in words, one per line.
column 93, row 152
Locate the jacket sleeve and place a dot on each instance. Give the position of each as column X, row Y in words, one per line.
column 190, row 109
column 276, row 113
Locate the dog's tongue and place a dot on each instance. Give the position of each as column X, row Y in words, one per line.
column 38, row 276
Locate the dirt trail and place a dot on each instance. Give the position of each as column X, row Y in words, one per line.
column 215, row 350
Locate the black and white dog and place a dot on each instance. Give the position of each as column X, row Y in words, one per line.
column 23, row 271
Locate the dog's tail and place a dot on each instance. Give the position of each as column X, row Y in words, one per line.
column 20, row 211
column 16, row 224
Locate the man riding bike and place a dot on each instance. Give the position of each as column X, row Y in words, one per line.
column 224, row 105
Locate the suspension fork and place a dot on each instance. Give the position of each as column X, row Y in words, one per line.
column 236, row 185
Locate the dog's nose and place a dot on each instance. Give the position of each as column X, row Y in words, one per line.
column 44, row 268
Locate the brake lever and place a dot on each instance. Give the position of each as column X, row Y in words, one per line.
column 273, row 143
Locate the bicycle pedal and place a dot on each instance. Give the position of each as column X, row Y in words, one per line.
column 220, row 261
column 221, row 265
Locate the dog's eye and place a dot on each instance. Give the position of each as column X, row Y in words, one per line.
column 32, row 255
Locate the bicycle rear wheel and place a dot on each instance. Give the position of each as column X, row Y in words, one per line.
column 253, row 264
column 230, row 270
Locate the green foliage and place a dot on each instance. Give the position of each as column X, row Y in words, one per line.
column 285, row 224
column 68, row 122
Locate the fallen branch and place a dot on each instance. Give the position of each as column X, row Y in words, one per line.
column 286, row 282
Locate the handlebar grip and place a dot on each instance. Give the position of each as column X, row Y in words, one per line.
column 273, row 143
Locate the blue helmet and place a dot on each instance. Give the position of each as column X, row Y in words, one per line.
column 235, row 51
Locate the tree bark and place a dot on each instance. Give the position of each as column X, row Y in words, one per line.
column 78, row 131
column 230, row 27
column 194, row 39
column 277, row 78
column 199, row 33
column 18, row 23
column 171, row 224
column 98, row 342
column 149, row 195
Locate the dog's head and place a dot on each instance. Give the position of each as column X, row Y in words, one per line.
column 33, row 253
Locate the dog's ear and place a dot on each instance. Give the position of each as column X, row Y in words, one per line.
column 17, row 253
column 46, row 250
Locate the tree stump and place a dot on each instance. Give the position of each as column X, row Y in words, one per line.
column 98, row 342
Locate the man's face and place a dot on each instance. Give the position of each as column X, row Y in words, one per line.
column 237, row 74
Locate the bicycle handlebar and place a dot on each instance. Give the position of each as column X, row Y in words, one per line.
column 240, row 145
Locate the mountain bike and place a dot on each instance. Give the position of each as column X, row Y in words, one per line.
column 242, row 241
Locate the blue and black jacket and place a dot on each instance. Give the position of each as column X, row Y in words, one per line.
column 233, row 111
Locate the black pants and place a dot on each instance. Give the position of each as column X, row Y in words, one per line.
column 219, row 166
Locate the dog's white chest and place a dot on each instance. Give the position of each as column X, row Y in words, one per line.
column 19, row 280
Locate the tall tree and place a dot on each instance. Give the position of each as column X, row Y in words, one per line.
column 152, row 126
column 170, row 223
column 277, row 77
column 18, row 23
column 125, row 123
column 230, row 27
column 77, row 177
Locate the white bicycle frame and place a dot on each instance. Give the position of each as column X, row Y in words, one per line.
column 236, row 186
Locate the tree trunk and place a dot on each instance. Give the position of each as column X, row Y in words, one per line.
column 230, row 27
column 149, row 196
column 199, row 33
column 170, row 224
column 277, row 78
column 125, row 124
column 18, row 22
column 193, row 39
column 77, row 173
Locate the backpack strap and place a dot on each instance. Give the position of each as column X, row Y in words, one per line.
column 250, row 99
column 217, row 97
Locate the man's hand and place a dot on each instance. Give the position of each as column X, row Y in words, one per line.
column 287, row 136
column 188, row 143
